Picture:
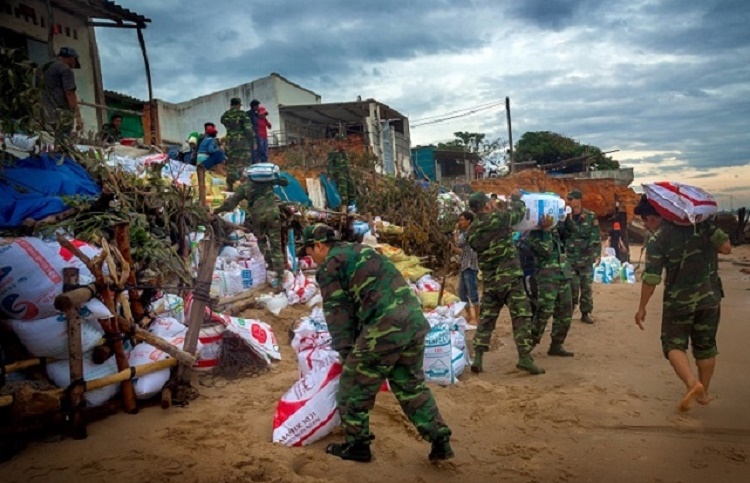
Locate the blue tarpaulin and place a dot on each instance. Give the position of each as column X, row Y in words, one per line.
column 333, row 198
column 34, row 187
column 292, row 192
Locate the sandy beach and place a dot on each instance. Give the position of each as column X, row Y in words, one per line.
column 608, row 414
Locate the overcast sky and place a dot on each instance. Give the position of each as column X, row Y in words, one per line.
column 667, row 82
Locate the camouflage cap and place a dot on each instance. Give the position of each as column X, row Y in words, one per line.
column 236, row 101
column 478, row 200
column 575, row 195
column 318, row 232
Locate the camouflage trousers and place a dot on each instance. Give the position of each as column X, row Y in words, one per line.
column 554, row 300
column 698, row 327
column 344, row 184
column 363, row 375
column 583, row 293
column 237, row 161
column 494, row 297
column 267, row 227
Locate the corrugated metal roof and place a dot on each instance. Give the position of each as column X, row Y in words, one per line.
column 101, row 9
column 331, row 113
column 118, row 96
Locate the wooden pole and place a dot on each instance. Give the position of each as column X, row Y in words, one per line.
column 155, row 138
column 119, row 377
column 510, row 134
column 209, row 250
column 50, row 30
column 143, row 335
column 75, row 362
column 201, row 171
column 122, row 238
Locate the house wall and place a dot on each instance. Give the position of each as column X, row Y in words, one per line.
column 177, row 120
column 74, row 34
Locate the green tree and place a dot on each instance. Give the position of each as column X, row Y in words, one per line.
column 473, row 142
column 547, row 147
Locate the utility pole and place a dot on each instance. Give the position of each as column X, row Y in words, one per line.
column 510, row 133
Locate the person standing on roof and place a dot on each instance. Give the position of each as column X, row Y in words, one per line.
column 239, row 141
column 59, row 96
column 262, row 135
column 340, row 172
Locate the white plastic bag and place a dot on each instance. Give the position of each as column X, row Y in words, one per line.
column 257, row 335
column 307, row 412
column 30, row 278
column 59, row 372
column 148, row 385
column 538, row 206
column 680, row 203
column 274, row 303
column 437, row 355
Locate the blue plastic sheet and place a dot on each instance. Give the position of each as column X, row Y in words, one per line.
column 34, row 188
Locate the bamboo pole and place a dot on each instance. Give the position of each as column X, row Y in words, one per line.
column 122, row 237
column 119, row 377
column 143, row 335
column 209, row 250
column 75, row 362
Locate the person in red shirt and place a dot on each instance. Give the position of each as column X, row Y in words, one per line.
column 262, row 135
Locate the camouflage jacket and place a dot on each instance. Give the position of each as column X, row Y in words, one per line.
column 689, row 256
column 260, row 198
column 240, row 135
column 367, row 303
column 549, row 251
column 491, row 236
column 585, row 245
column 338, row 161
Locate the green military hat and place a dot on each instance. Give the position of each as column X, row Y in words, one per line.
column 236, row 101
column 575, row 195
column 318, row 232
column 478, row 200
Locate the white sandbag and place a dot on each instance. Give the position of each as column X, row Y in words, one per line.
column 236, row 216
column 59, row 372
column 257, row 335
column 170, row 306
column 148, row 385
column 30, row 278
column 274, row 303
column 48, row 337
column 307, row 412
column 437, row 355
column 211, row 338
column 538, row 206
column 312, row 343
column 680, row 203
column 225, row 283
column 263, row 172
column 627, row 273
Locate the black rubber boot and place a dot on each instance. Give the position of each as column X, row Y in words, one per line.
column 441, row 449
column 476, row 366
column 559, row 350
column 526, row 363
column 359, row 452
column 586, row 318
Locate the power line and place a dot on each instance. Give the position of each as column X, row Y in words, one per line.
column 448, row 118
column 489, row 104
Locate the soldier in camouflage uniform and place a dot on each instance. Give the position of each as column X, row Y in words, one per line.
column 339, row 172
column 377, row 327
column 491, row 236
column 265, row 219
column 552, row 276
column 583, row 250
column 239, row 141
column 692, row 295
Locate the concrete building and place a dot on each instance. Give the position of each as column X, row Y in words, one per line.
column 177, row 120
column 440, row 164
column 28, row 25
column 384, row 130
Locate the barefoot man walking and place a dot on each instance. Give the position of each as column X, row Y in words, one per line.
column 692, row 295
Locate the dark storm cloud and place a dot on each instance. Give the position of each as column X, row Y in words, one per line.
column 316, row 43
column 677, row 81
